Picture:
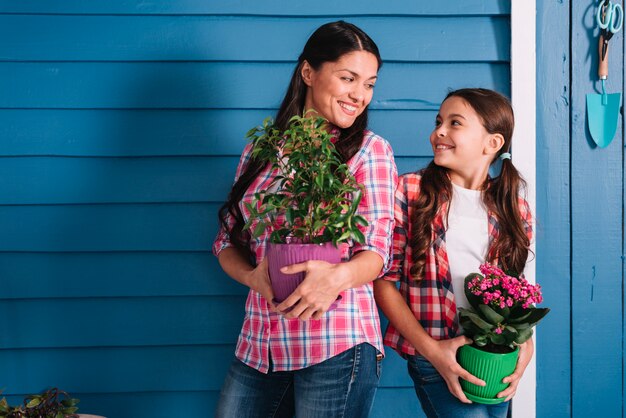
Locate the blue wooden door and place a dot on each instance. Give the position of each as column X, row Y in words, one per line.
column 120, row 128
column 580, row 221
column 597, row 232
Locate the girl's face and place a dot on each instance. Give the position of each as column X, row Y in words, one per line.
column 462, row 144
column 341, row 90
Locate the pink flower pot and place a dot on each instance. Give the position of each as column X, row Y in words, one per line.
column 281, row 255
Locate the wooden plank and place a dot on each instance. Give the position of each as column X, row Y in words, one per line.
column 128, row 322
column 137, row 322
column 124, row 369
column 408, row 131
column 136, row 133
column 553, row 209
column 262, row 8
column 408, row 165
column 597, row 231
column 396, row 402
column 203, row 403
column 144, row 404
column 622, row 127
column 127, row 227
column 57, row 180
column 62, row 180
column 395, row 373
column 116, row 370
column 113, row 274
column 220, row 85
column 120, row 133
column 215, row 38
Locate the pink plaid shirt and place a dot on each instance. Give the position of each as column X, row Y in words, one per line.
column 293, row 344
column 431, row 299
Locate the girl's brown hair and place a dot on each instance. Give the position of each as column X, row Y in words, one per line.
column 500, row 194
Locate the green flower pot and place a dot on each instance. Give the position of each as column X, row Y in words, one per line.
column 490, row 367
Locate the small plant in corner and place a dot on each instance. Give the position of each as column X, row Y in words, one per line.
column 53, row 403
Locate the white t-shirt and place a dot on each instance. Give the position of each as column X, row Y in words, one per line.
column 467, row 238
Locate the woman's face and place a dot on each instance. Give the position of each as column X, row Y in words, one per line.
column 341, row 90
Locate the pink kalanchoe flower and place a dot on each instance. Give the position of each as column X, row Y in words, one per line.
column 488, row 269
column 500, row 290
column 506, row 295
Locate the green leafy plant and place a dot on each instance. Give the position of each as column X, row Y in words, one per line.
column 313, row 197
column 502, row 312
column 53, row 403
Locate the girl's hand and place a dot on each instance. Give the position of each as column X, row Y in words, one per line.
column 443, row 357
column 259, row 281
column 525, row 354
column 317, row 292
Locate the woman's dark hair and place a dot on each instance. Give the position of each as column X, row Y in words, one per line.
column 327, row 44
column 500, row 194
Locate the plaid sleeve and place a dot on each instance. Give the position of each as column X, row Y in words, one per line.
column 379, row 175
column 527, row 217
column 399, row 237
column 222, row 240
column 527, row 221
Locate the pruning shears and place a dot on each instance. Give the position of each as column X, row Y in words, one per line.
column 610, row 18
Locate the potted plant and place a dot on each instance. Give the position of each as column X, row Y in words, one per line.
column 501, row 317
column 52, row 403
column 310, row 207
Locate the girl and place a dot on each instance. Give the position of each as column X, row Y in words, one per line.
column 450, row 218
column 297, row 357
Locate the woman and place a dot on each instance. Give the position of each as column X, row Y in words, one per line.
column 298, row 357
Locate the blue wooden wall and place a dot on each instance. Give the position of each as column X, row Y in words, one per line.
column 121, row 123
column 580, row 201
column 553, row 229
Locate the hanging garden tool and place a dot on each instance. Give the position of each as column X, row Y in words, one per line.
column 603, row 109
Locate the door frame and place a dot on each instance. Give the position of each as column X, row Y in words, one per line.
column 523, row 97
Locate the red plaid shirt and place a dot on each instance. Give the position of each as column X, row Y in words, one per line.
column 431, row 299
column 294, row 344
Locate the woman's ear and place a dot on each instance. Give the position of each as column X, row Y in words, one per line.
column 306, row 72
column 494, row 144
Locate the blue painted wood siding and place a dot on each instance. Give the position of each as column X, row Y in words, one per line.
column 121, row 124
column 580, row 211
column 597, row 232
column 553, row 230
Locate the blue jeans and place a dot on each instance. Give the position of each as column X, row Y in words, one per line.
column 342, row 386
column 437, row 401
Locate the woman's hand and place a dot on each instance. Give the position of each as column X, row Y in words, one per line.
column 442, row 355
column 320, row 288
column 525, row 354
column 258, row 280
column 237, row 265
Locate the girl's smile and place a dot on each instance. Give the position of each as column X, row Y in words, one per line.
column 461, row 143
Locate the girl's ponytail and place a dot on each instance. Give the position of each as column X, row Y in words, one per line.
column 502, row 197
column 435, row 187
